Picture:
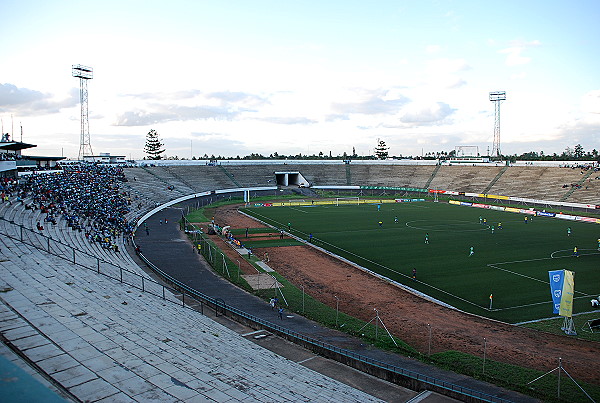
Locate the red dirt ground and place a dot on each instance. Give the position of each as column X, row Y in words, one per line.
column 407, row 315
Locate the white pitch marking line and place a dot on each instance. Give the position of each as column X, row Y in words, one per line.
column 308, row 359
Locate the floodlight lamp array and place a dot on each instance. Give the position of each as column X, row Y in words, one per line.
column 82, row 71
column 497, row 95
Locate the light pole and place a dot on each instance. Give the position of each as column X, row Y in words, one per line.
column 337, row 309
column 84, row 74
column 497, row 97
column 302, row 298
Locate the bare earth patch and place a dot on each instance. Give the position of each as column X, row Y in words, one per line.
column 407, row 315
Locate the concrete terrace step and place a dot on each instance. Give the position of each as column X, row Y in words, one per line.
column 76, row 239
column 104, row 341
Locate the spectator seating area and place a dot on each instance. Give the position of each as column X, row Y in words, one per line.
column 100, row 340
column 104, row 341
column 541, row 183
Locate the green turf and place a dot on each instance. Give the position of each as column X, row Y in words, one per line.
column 512, row 263
column 504, row 374
column 270, row 243
column 241, row 231
column 580, row 323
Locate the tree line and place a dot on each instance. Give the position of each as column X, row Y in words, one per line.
column 154, row 150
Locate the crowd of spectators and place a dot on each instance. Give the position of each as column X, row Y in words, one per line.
column 583, row 167
column 9, row 157
column 87, row 197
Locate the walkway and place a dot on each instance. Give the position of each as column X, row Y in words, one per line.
column 98, row 340
column 167, row 248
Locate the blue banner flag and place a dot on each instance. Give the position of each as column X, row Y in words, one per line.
column 557, row 278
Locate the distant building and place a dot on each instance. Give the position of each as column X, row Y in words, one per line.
column 469, row 160
column 105, row 158
column 13, row 163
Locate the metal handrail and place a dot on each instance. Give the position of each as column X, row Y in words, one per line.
column 323, row 345
column 181, row 287
column 70, row 256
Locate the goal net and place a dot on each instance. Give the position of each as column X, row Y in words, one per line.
column 347, row 200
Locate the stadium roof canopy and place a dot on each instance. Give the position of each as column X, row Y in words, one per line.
column 15, row 145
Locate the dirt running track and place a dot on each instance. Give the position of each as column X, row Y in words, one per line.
column 407, row 315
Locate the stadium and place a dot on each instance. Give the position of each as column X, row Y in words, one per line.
column 369, row 260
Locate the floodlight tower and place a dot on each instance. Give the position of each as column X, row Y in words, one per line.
column 84, row 74
column 497, row 97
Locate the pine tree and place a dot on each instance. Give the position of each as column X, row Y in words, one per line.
column 381, row 150
column 153, row 145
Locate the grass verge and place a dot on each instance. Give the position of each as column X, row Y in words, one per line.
column 501, row 374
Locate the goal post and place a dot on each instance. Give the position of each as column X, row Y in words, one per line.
column 347, row 200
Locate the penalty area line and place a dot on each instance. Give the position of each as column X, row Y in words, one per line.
column 297, row 209
column 525, row 276
column 517, row 274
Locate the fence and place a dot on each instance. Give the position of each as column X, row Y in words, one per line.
column 380, row 369
column 84, row 259
column 192, row 298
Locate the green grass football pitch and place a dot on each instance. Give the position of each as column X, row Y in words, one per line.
column 511, row 263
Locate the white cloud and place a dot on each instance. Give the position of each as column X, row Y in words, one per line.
column 518, row 76
column 174, row 112
column 188, row 105
column 447, row 66
column 282, row 120
column 27, row 102
column 446, row 73
column 259, row 87
column 514, row 52
column 591, row 102
column 371, row 102
column 431, row 49
column 422, row 115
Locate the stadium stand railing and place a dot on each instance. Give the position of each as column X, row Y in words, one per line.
column 99, row 340
column 366, row 364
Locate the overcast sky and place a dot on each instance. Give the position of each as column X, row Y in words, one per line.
column 236, row 77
